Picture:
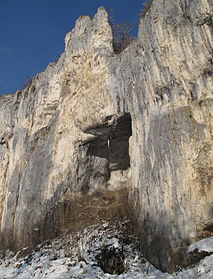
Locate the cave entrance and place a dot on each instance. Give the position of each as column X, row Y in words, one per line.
column 118, row 144
column 112, row 142
column 106, row 153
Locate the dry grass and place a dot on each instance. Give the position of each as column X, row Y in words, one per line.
column 86, row 210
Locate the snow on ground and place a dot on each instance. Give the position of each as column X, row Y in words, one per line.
column 204, row 245
column 78, row 255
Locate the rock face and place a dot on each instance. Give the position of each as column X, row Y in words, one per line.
column 96, row 122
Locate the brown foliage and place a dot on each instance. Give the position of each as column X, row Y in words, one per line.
column 121, row 36
column 146, row 7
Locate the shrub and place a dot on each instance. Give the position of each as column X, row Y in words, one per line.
column 121, row 36
column 146, row 6
column 121, row 33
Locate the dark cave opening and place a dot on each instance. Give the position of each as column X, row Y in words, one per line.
column 112, row 143
column 118, row 144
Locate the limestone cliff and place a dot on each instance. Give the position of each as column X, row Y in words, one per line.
column 98, row 122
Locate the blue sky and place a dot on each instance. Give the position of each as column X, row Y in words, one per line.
column 32, row 32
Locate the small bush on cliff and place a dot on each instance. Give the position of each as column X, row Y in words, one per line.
column 121, row 33
column 146, row 7
column 121, row 36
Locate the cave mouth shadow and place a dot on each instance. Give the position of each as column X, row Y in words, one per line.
column 113, row 143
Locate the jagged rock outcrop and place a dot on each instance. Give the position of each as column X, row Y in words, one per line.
column 96, row 121
column 61, row 136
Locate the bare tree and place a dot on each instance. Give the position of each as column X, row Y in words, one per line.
column 121, row 36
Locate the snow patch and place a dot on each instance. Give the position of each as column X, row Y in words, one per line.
column 74, row 256
column 204, row 245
